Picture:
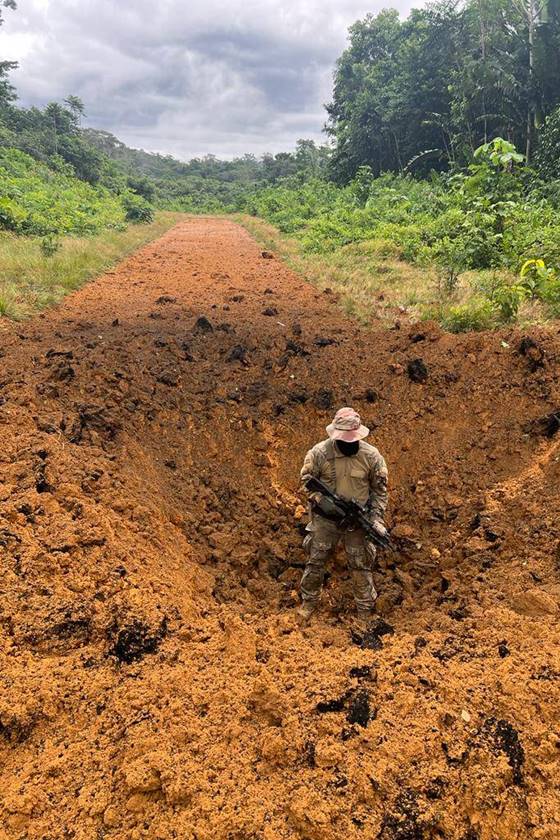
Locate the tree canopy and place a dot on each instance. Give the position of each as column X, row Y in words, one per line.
column 426, row 91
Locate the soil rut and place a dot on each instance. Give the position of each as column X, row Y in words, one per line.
column 154, row 682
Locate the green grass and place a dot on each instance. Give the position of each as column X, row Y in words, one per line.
column 29, row 281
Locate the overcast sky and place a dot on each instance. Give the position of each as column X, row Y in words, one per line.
column 186, row 77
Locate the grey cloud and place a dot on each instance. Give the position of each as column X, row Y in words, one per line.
column 186, row 78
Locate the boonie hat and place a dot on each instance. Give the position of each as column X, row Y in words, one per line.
column 347, row 426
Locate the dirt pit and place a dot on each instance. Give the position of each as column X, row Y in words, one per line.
column 154, row 681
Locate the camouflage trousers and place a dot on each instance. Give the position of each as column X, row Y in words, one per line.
column 320, row 542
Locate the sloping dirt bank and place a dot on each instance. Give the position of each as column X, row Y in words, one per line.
column 154, row 682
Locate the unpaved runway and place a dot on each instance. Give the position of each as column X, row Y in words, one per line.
column 153, row 680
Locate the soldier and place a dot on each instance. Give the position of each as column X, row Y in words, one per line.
column 354, row 470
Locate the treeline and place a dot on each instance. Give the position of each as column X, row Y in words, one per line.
column 411, row 96
column 423, row 93
column 207, row 183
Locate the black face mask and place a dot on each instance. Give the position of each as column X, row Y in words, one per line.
column 348, row 449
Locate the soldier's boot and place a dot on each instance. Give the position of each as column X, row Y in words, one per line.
column 306, row 610
column 364, row 619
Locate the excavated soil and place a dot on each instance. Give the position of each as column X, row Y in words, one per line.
column 154, row 680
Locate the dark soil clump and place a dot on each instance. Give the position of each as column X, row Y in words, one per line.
column 417, row 371
column 506, row 740
column 95, row 418
column 403, row 822
column 203, row 325
column 533, row 352
column 133, row 642
column 371, row 639
column 323, row 399
column 324, row 706
column 546, row 426
column 238, row 353
column 359, row 710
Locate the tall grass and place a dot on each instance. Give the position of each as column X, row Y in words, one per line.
column 30, row 281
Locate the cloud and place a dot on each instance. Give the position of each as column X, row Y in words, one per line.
column 186, row 78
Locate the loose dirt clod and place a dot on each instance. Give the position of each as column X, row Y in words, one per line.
column 371, row 638
column 337, row 705
column 533, row 352
column 133, row 641
column 359, row 709
column 323, row 399
column 417, row 370
column 404, row 822
column 203, row 325
column 96, row 418
column 546, row 426
column 296, row 349
column 506, row 740
column 238, row 353
column 168, row 377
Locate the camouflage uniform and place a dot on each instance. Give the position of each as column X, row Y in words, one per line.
column 362, row 477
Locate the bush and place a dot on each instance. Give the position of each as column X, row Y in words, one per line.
column 476, row 315
column 551, row 297
column 507, row 298
column 49, row 246
column 137, row 209
column 39, row 201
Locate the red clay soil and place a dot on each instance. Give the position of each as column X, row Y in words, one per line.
column 154, row 680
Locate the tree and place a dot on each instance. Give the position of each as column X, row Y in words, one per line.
column 7, row 92
column 391, row 93
column 425, row 92
column 547, row 158
column 76, row 107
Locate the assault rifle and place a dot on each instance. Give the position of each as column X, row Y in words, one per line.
column 348, row 514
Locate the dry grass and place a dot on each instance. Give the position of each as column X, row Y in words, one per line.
column 373, row 283
column 368, row 276
column 29, row 281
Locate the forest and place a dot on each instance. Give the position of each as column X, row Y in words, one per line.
column 439, row 176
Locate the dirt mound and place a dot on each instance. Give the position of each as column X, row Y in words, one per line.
column 154, row 681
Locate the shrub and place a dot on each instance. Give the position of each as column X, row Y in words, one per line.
column 551, row 297
column 137, row 209
column 49, row 246
column 535, row 277
column 476, row 315
column 41, row 201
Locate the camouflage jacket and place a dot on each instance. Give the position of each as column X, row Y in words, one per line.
column 362, row 476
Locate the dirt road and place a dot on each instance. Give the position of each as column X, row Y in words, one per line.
column 154, row 682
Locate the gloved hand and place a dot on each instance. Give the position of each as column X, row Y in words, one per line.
column 379, row 526
column 326, row 507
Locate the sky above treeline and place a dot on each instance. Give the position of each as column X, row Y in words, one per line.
column 186, row 77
